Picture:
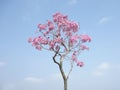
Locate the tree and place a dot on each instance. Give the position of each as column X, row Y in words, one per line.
column 61, row 37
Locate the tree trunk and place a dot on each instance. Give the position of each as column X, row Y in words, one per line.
column 63, row 76
column 65, row 84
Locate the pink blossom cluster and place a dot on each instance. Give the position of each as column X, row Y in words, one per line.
column 74, row 58
column 40, row 41
column 60, row 34
column 83, row 47
column 74, row 38
column 85, row 38
column 64, row 24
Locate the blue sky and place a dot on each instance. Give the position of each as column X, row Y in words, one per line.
column 24, row 68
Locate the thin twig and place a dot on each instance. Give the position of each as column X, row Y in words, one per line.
column 70, row 69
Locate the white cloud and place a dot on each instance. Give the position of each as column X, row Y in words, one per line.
column 33, row 79
column 2, row 64
column 72, row 1
column 43, row 83
column 101, row 69
column 103, row 66
column 103, row 20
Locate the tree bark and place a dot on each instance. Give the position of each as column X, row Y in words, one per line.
column 63, row 76
column 65, row 84
column 60, row 64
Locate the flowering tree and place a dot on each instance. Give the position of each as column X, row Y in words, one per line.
column 61, row 37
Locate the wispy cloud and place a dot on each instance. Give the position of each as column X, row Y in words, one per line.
column 73, row 1
column 33, row 79
column 101, row 69
column 104, row 66
column 35, row 83
column 103, row 20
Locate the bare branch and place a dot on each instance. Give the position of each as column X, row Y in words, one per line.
column 78, row 45
column 64, row 46
column 61, row 68
column 70, row 69
column 56, row 53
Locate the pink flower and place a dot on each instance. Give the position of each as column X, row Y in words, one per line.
column 57, row 17
column 38, row 47
column 79, row 63
column 74, row 38
column 58, row 33
column 59, row 25
column 74, row 57
column 58, row 40
column 83, row 47
column 65, row 17
column 51, row 25
column 85, row 38
column 75, row 27
column 42, row 40
column 46, row 33
column 35, row 41
column 42, row 27
column 30, row 40
column 51, row 44
column 68, row 33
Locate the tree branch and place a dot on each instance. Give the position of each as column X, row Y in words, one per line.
column 64, row 46
column 56, row 52
column 62, row 72
column 70, row 70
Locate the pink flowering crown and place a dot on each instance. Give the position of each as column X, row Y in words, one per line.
column 61, row 35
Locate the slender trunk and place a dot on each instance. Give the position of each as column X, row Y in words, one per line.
column 65, row 84
column 63, row 76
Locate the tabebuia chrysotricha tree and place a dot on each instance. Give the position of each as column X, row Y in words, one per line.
column 60, row 36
